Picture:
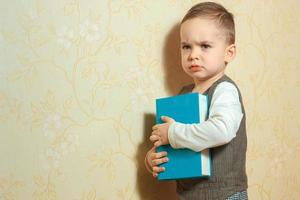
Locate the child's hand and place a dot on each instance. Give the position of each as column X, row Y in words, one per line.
column 154, row 159
column 159, row 134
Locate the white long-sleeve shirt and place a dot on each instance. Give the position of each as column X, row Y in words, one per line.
column 225, row 116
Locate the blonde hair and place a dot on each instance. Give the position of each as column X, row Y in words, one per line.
column 215, row 12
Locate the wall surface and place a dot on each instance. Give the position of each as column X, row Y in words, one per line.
column 78, row 81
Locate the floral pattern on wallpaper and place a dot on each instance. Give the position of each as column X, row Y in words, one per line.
column 78, row 82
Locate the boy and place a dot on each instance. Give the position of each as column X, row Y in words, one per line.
column 207, row 45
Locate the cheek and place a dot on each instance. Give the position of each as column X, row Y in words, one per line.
column 183, row 59
column 215, row 58
column 184, row 64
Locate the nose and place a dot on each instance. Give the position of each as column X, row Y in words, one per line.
column 194, row 54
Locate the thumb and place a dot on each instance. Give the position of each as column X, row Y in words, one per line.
column 167, row 119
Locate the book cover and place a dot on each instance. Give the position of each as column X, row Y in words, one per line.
column 184, row 163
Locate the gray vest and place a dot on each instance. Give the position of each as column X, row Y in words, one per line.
column 228, row 163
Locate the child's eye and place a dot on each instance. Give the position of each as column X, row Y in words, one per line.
column 185, row 47
column 205, row 46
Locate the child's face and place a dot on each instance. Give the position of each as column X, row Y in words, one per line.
column 204, row 50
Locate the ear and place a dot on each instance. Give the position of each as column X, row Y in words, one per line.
column 230, row 52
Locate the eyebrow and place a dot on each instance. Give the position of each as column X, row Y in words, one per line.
column 202, row 42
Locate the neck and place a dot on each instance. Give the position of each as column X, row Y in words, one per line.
column 202, row 85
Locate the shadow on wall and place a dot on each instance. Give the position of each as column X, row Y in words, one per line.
column 148, row 187
column 175, row 76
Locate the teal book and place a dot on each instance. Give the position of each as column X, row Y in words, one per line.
column 184, row 163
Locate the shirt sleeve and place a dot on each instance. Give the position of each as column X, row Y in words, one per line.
column 220, row 128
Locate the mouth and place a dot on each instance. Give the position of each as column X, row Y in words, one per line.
column 195, row 68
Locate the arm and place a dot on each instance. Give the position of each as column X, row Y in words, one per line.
column 220, row 128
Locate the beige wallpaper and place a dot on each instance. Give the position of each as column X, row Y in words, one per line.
column 78, row 80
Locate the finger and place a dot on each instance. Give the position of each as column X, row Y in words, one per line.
column 155, row 127
column 154, row 175
column 154, row 138
column 159, row 161
column 158, row 169
column 163, row 154
column 167, row 119
column 157, row 143
column 155, row 132
column 158, row 155
column 153, row 149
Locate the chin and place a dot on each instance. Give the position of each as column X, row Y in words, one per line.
column 199, row 75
